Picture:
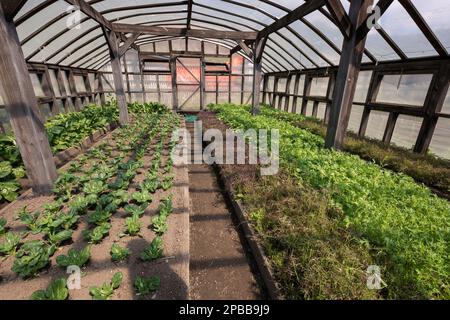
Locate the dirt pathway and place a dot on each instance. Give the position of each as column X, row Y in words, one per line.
column 219, row 266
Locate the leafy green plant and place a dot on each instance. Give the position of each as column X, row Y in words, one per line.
column 94, row 187
column 9, row 243
column 167, row 182
column 150, row 185
column 106, row 291
column 98, row 233
column 142, row 197
column 57, row 290
column 135, row 210
column 166, row 207
column 408, row 228
column 60, row 237
column 119, row 254
column 144, row 286
column 75, row 258
column 32, row 257
column 160, row 225
column 132, row 226
column 99, row 217
column 2, row 226
column 154, row 251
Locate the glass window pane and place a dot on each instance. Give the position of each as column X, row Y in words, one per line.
column 79, row 84
column 355, row 118
column 319, row 86
column 440, row 145
column 408, row 89
column 36, row 81
column 362, row 86
column 406, row 131
column 377, row 124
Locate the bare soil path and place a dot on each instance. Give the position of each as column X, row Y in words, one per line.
column 219, row 264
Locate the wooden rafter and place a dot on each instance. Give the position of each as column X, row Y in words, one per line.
column 182, row 32
column 337, row 11
column 12, row 8
column 189, row 15
column 363, row 28
column 292, row 16
column 128, row 43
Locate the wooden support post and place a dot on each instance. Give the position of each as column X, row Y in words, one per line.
column 113, row 43
column 306, row 93
column 296, row 87
column 390, row 126
column 433, row 105
column 141, row 71
column 330, row 92
column 347, row 77
column 22, row 107
column 73, row 89
column 229, row 74
column 101, row 88
column 127, row 77
column 315, row 110
column 62, row 89
column 173, row 70
column 49, row 92
column 265, row 87
column 202, row 83
column 287, row 97
column 258, row 51
column 274, row 94
column 372, row 93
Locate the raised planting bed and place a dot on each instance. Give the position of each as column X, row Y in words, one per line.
column 68, row 133
column 430, row 170
column 120, row 212
column 335, row 215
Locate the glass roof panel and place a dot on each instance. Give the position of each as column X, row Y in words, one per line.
column 436, row 13
column 326, row 27
column 243, row 20
column 41, row 18
column 379, row 47
column 315, row 40
column 400, row 26
column 27, row 7
column 233, row 6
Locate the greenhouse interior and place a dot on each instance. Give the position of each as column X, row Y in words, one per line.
column 225, row 150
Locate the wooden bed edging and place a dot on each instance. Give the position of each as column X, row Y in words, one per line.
column 65, row 156
column 258, row 253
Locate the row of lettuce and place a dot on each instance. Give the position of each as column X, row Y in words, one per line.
column 406, row 227
column 64, row 131
column 427, row 169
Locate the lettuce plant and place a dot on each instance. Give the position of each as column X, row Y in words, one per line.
column 106, row 291
column 57, row 290
column 144, row 286
column 119, row 254
column 153, row 251
column 75, row 258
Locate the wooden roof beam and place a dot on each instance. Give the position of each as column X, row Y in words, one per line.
column 11, row 8
column 291, row 17
column 337, row 11
column 181, row 32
